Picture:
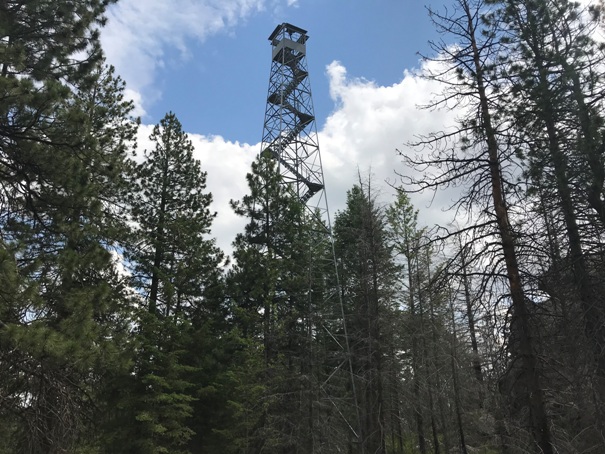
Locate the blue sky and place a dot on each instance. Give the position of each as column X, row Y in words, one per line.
column 221, row 87
column 215, row 80
column 209, row 60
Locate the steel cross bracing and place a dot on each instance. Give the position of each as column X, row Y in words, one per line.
column 289, row 132
column 290, row 136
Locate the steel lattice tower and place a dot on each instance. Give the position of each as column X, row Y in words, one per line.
column 290, row 136
column 289, row 132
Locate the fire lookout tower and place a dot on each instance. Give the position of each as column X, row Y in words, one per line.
column 290, row 137
column 289, row 132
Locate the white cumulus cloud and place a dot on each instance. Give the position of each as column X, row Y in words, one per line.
column 140, row 34
column 361, row 136
column 369, row 124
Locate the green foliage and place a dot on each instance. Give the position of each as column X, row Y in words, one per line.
column 63, row 137
column 156, row 400
column 173, row 260
column 273, row 309
column 403, row 232
column 368, row 287
column 175, row 357
column 179, row 317
column 270, row 257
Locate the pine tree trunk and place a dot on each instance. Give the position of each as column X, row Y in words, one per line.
column 434, row 362
column 395, row 413
column 470, row 315
column 415, row 355
column 453, row 363
column 591, row 302
column 537, row 411
column 426, row 360
column 590, row 147
column 159, row 245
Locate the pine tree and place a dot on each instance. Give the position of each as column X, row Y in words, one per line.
column 481, row 162
column 46, row 47
column 171, row 255
column 274, row 309
column 64, row 325
column 367, row 280
column 404, row 238
column 174, row 266
column 552, row 65
column 60, row 325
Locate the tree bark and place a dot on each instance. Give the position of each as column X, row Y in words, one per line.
column 537, row 412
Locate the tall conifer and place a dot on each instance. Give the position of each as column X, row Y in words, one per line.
column 174, row 266
column 275, row 309
column 367, row 276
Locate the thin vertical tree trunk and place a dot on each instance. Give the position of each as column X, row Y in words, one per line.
column 396, row 429
column 592, row 302
column 537, row 412
column 415, row 354
column 159, row 246
column 470, row 316
column 434, row 338
column 453, row 363
column 425, row 354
